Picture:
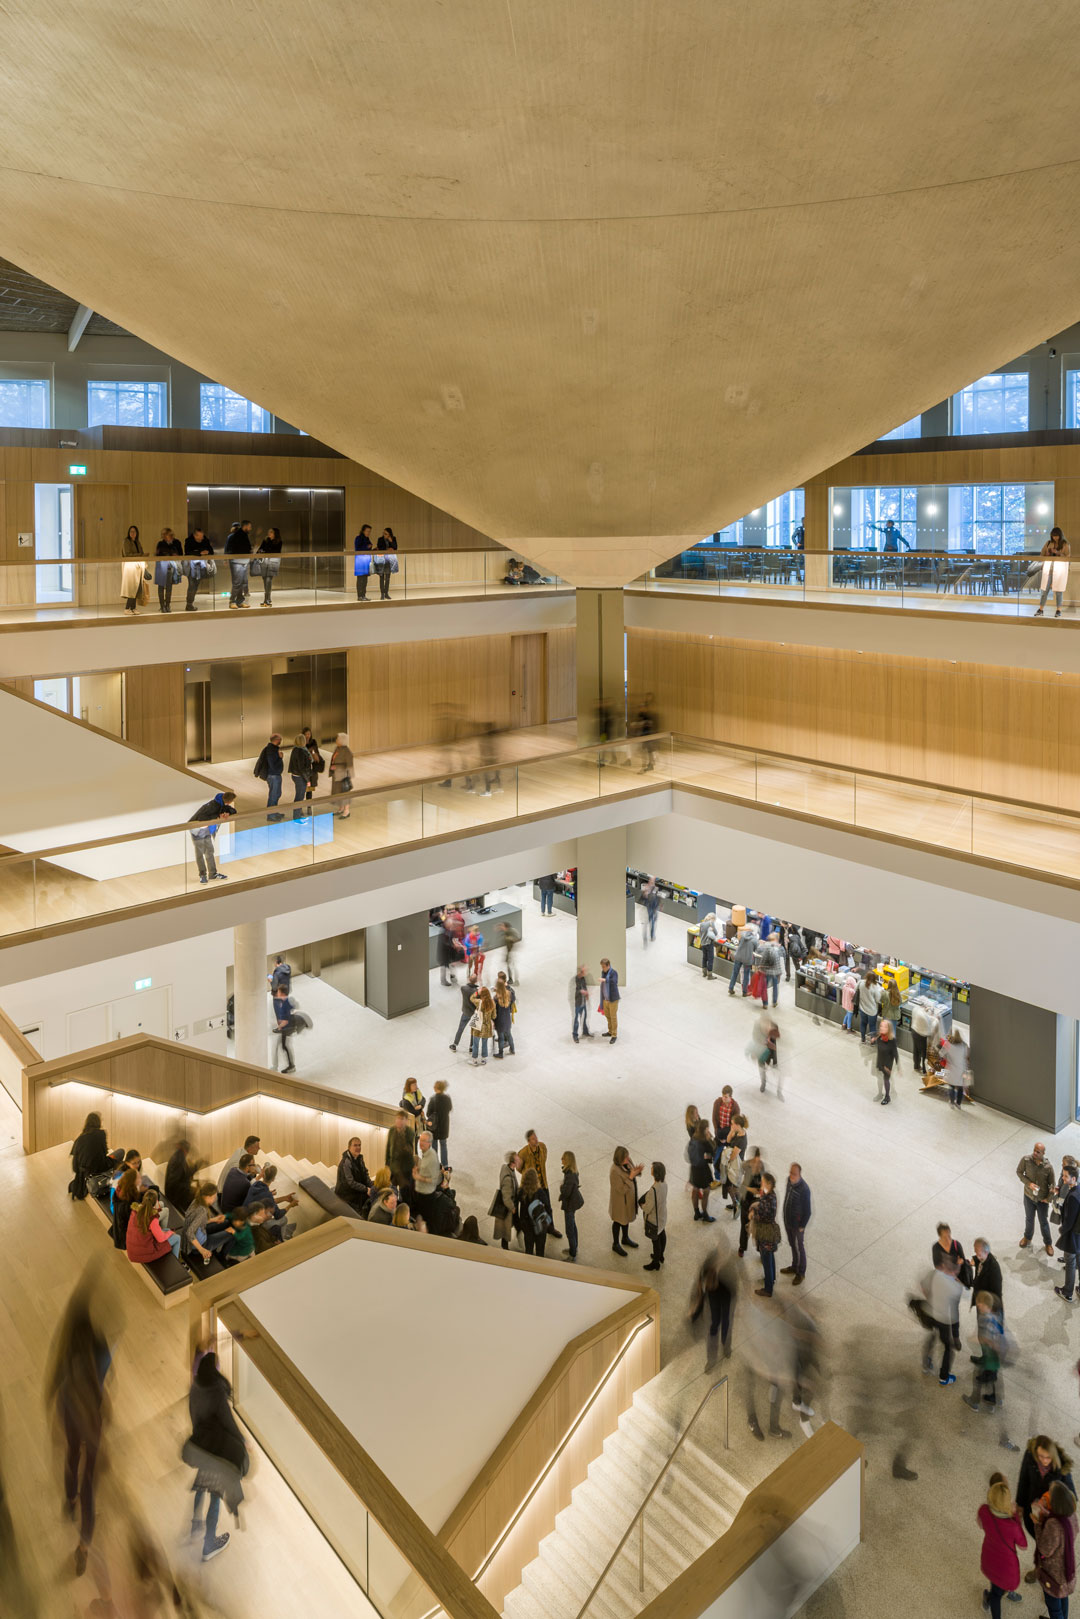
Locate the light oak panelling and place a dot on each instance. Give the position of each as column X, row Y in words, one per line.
column 145, row 1087
column 1010, row 732
column 156, row 483
column 154, row 711
column 506, row 1480
column 398, row 694
column 561, row 674
column 528, row 677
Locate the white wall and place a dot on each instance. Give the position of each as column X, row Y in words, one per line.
column 781, row 1580
column 84, row 786
column 192, row 969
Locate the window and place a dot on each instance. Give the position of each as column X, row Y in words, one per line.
column 223, row 411
column 871, row 509
column 912, row 429
column 24, row 402
column 127, row 404
column 997, row 403
column 782, row 516
column 993, row 517
column 1072, row 399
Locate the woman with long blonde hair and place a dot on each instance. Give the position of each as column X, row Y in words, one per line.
column 482, row 1024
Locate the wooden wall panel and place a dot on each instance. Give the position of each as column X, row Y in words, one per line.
column 1011, row 732
column 561, row 673
column 398, row 695
column 154, row 711
column 528, row 677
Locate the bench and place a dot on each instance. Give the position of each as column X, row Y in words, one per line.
column 327, row 1198
column 166, row 1277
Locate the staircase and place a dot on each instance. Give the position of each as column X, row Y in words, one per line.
column 689, row 1512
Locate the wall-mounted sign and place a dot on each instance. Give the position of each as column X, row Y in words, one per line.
column 76, row 470
column 69, row 444
column 143, row 983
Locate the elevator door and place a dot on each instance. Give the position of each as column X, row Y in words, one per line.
column 292, row 703
column 197, row 719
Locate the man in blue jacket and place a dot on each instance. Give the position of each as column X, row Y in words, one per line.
column 796, row 1220
column 609, row 998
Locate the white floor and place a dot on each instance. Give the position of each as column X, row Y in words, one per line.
column 881, row 1178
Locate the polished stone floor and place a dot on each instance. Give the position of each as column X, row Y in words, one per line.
column 881, row 1179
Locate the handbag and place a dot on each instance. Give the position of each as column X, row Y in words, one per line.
column 766, row 1235
column 255, row 567
column 757, row 984
column 650, row 1228
column 498, row 1209
column 209, row 565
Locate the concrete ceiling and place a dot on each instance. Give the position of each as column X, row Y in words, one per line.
column 593, row 277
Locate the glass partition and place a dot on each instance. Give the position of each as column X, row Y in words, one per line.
column 385, row 1576
column 953, row 520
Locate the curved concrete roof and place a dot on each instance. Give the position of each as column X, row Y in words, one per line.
column 574, row 272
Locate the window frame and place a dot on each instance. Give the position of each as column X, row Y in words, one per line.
column 956, row 406
column 219, row 393
column 116, row 383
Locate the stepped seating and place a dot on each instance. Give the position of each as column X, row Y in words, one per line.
column 168, row 1278
column 693, row 1507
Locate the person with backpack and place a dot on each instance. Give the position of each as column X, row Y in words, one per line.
column 772, row 965
column 270, row 767
column 283, row 1023
column 742, row 959
column 708, row 935
column 536, row 1222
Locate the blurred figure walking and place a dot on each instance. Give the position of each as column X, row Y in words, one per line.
column 76, row 1390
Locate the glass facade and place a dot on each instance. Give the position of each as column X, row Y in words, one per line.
column 771, row 525
column 223, row 411
column 127, row 404
column 997, row 403
column 1072, row 399
column 25, row 402
column 995, row 519
column 911, row 429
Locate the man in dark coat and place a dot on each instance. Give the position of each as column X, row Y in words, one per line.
column 353, row 1181
column 796, row 1220
column 985, row 1273
column 1069, row 1240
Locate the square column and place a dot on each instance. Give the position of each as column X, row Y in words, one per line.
column 601, row 662
column 601, row 901
column 1023, row 1059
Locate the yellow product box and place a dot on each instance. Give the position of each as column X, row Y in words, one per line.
column 900, row 976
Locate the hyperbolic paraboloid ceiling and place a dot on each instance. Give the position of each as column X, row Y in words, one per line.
column 591, row 275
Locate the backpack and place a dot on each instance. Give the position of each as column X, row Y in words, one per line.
column 541, row 1220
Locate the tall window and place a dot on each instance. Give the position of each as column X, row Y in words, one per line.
column 991, row 517
column 24, row 402
column 782, row 516
column 912, row 429
column 1072, row 399
column 127, row 404
column 871, row 510
column 221, row 410
column 997, row 403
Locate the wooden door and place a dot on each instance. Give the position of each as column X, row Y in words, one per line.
column 102, row 515
column 528, row 680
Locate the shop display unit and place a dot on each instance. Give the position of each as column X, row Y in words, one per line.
column 566, row 896
column 675, row 898
column 485, row 919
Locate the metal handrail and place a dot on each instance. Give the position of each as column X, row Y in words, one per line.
column 638, row 1327
column 639, row 1516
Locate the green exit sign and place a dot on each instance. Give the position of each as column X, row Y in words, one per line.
column 76, row 471
column 143, row 983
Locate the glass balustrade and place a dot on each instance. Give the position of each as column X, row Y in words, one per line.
column 99, row 587
column 66, row 884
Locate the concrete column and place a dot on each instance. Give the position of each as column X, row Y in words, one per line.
column 601, row 662
column 601, row 900
column 1023, row 1059
column 251, row 1019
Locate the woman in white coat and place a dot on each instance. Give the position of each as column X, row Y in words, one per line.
column 133, row 572
column 1055, row 570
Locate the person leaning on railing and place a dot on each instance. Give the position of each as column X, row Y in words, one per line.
column 213, row 813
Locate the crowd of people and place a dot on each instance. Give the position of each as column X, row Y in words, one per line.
column 194, row 560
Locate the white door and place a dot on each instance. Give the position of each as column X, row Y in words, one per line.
column 147, row 1012
column 89, row 1026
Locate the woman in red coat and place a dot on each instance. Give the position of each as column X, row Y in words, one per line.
column 146, row 1240
column 1003, row 1539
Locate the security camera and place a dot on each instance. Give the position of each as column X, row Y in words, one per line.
column 1053, row 353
